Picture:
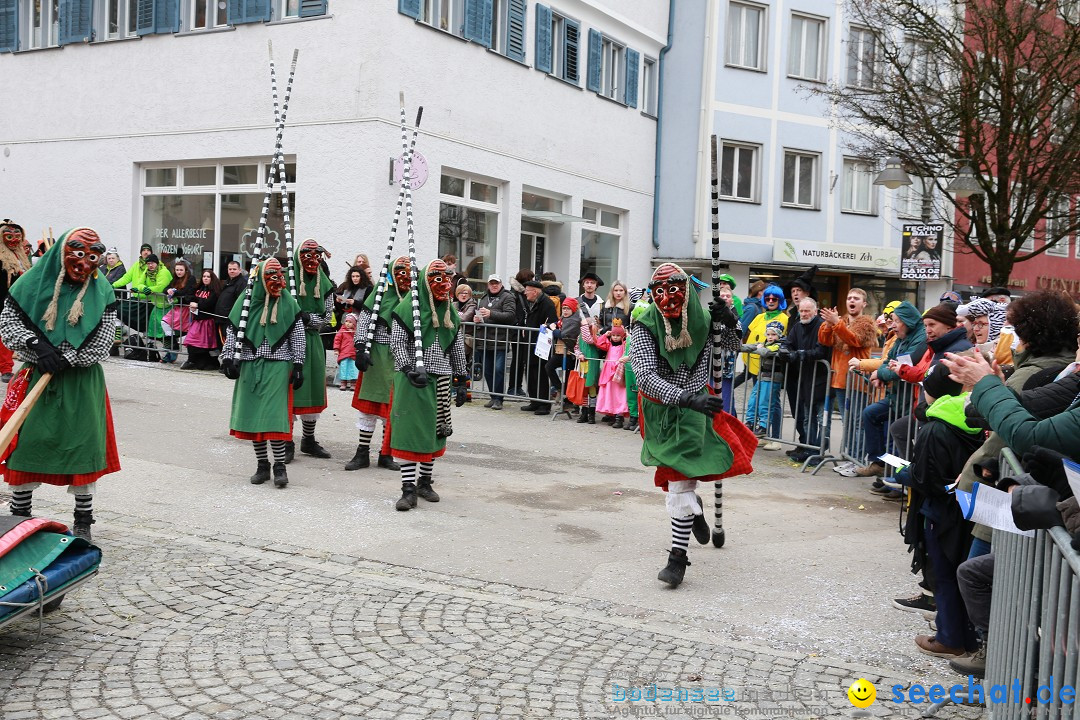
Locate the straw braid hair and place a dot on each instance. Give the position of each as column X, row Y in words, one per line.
column 269, row 297
column 665, row 273
column 77, row 308
column 431, row 298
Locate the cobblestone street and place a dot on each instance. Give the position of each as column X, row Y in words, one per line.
column 191, row 618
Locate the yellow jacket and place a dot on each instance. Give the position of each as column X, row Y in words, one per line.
column 757, row 335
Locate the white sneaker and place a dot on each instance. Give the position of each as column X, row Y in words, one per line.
column 844, row 466
column 772, row 446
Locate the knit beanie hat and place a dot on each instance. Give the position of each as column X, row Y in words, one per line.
column 777, row 327
column 570, row 303
column 944, row 314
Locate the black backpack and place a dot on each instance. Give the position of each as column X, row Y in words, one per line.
column 139, row 350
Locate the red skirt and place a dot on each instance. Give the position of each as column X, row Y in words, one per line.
column 417, row 457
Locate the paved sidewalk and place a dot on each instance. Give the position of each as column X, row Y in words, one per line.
column 529, row 591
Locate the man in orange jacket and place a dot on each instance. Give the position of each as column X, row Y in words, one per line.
column 850, row 336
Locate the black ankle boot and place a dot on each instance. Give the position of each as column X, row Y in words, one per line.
column 701, row 530
column 407, row 501
column 632, row 424
column 673, row 572
column 424, row 490
column 618, row 424
column 387, row 462
column 281, row 478
column 83, row 521
column 290, row 451
column 309, row 446
column 583, row 416
column 592, row 416
column 361, row 459
column 262, row 474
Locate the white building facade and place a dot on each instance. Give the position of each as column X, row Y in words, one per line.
column 792, row 195
column 156, row 125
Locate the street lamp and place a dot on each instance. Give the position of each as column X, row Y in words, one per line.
column 893, row 176
column 965, row 184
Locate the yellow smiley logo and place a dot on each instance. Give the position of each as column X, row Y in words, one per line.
column 862, row 693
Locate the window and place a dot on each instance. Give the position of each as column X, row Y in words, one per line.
column 115, row 19
column 508, row 28
column 286, row 9
column 557, row 44
column 921, row 68
column 40, row 21
column 1070, row 10
column 861, row 57
column 739, row 171
column 1057, row 226
column 206, row 14
column 805, row 53
column 858, row 189
column 989, row 88
column 614, row 69
column 601, row 241
column 469, row 225
column 448, row 15
column 746, row 36
column 1063, row 117
column 649, row 86
column 800, row 179
column 209, row 213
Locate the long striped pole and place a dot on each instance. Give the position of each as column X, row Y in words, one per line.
column 279, row 160
column 256, row 255
column 717, row 351
column 418, row 344
column 384, row 281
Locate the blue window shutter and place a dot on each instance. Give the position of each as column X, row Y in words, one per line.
column 312, row 8
column 515, row 30
column 166, row 16
column 596, row 60
column 410, row 8
column 632, row 60
column 9, row 25
column 256, row 10
column 571, row 52
column 75, row 26
column 144, row 17
column 235, row 10
column 478, row 21
column 543, row 39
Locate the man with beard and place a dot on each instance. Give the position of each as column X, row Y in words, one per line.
column 268, row 368
column 420, row 414
column 315, row 295
column 14, row 261
column 372, row 397
column 672, row 345
column 61, row 319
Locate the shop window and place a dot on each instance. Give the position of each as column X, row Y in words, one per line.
column 469, row 225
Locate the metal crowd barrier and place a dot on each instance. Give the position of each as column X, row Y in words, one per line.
column 784, row 405
column 1034, row 621
column 504, row 364
column 137, row 339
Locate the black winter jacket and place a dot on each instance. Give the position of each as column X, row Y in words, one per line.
column 234, row 288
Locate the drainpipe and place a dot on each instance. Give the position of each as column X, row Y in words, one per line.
column 708, row 90
column 660, row 126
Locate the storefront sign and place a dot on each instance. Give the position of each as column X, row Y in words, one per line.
column 921, row 251
column 1067, row 285
column 848, row 257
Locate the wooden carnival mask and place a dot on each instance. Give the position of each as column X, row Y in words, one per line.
column 402, row 274
column 668, row 288
column 273, row 278
column 310, row 256
column 82, row 252
column 12, row 235
column 439, row 280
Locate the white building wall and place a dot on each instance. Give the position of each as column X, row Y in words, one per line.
column 72, row 152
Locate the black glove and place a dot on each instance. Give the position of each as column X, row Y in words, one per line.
column 49, row 358
column 297, row 377
column 363, row 360
column 798, row 355
column 418, row 378
column 460, row 396
column 1045, row 466
column 701, row 402
column 721, row 312
column 230, row 369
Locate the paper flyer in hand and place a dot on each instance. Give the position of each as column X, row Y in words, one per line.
column 991, row 507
